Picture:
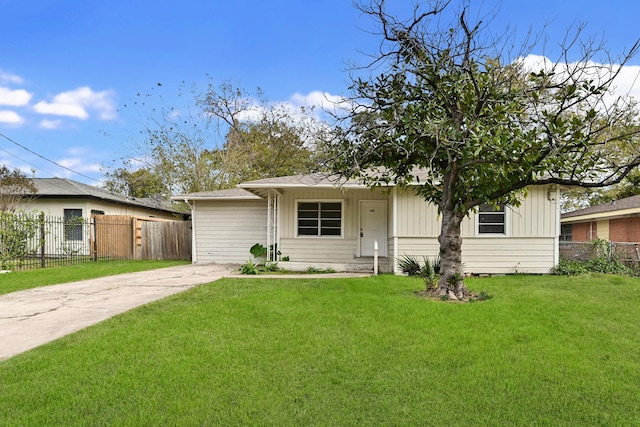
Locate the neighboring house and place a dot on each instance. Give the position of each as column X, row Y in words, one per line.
column 69, row 206
column 313, row 221
column 65, row 198
column 617, row 221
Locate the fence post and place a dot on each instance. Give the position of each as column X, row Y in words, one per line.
column 94, row 229
column 43, row 260
column 609, row 255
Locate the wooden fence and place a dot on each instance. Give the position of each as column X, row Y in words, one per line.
column 130, row 237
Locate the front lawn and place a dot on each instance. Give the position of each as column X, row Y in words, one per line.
column 26, row 279
column 545, row 350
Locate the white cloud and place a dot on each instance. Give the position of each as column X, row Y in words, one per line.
column 78, row 102
column 78, row 164
column 50, row 124
column 318, row 99
column 61, row 109
column 10, row 78
column 10, row 117
column 14, row 97
column 626, row 83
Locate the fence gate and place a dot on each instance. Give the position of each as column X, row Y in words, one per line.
column 167, row 240
column 112, row 237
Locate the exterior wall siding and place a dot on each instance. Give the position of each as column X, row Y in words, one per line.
column 536, row 216
column 529, row 245
column 485, row 255
column 224, row 231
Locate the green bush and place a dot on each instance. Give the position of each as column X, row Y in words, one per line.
column 569, row 268
column 17, row 231
column 596, row 265
column 249, row 267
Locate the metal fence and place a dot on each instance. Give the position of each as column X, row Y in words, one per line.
column 625, row 252
column 37, row 241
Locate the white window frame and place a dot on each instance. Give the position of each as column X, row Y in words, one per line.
column 507, row 220
column 304, row 236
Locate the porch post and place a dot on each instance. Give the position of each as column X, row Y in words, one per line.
column 269, row 225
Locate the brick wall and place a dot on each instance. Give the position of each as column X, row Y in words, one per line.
column 624, row 230
column 584, row 231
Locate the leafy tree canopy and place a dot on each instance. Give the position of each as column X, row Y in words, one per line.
column 14, row 187
column 449, row 99
column 227, row 135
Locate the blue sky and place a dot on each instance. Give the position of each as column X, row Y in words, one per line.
column 67, row 68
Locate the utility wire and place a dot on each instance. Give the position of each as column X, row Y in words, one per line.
column 26, row 161
column 48, row 160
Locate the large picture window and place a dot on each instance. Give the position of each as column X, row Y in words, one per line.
column 320, row 219
column 73, row 224
column 491, row 219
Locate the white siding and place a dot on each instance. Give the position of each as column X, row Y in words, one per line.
column 528, row 247
column 535, row 217
column 224, row 231
column 487, row 255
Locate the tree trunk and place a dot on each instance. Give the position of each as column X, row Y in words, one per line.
column 451, row 272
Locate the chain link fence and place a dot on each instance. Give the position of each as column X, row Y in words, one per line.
column 627, row 253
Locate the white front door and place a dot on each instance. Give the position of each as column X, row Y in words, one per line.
column 373, row 227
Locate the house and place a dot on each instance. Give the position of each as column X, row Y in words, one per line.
column 316, row 220
column 83, row 220
column 617, row 221
column 62, row 197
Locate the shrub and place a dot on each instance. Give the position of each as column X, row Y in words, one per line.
column 569, row 268
column 597, row 265
column 428, row 270
column 17, row 231
column 249, row 267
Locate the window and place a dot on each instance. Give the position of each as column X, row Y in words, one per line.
column 319, row 219
column 566, row 232
column 491, row 219
column 73, row 224
column 96, row 212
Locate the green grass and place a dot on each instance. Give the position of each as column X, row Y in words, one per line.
column 19, row 280
column 545, row 350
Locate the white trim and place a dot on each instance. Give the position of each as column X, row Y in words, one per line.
column 297, row 201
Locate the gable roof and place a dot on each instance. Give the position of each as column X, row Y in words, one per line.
column 68, row 188
column 617, row 208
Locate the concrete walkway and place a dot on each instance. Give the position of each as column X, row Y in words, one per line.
column 36, row 316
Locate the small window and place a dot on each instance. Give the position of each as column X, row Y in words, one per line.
column 320, row 219
column 566, row 232
column 491, row 219
column 73, row 224
column 96, row 212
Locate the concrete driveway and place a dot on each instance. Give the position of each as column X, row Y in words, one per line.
column 36, row 316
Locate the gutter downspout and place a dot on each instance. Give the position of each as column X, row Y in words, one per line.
column 194, row 257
